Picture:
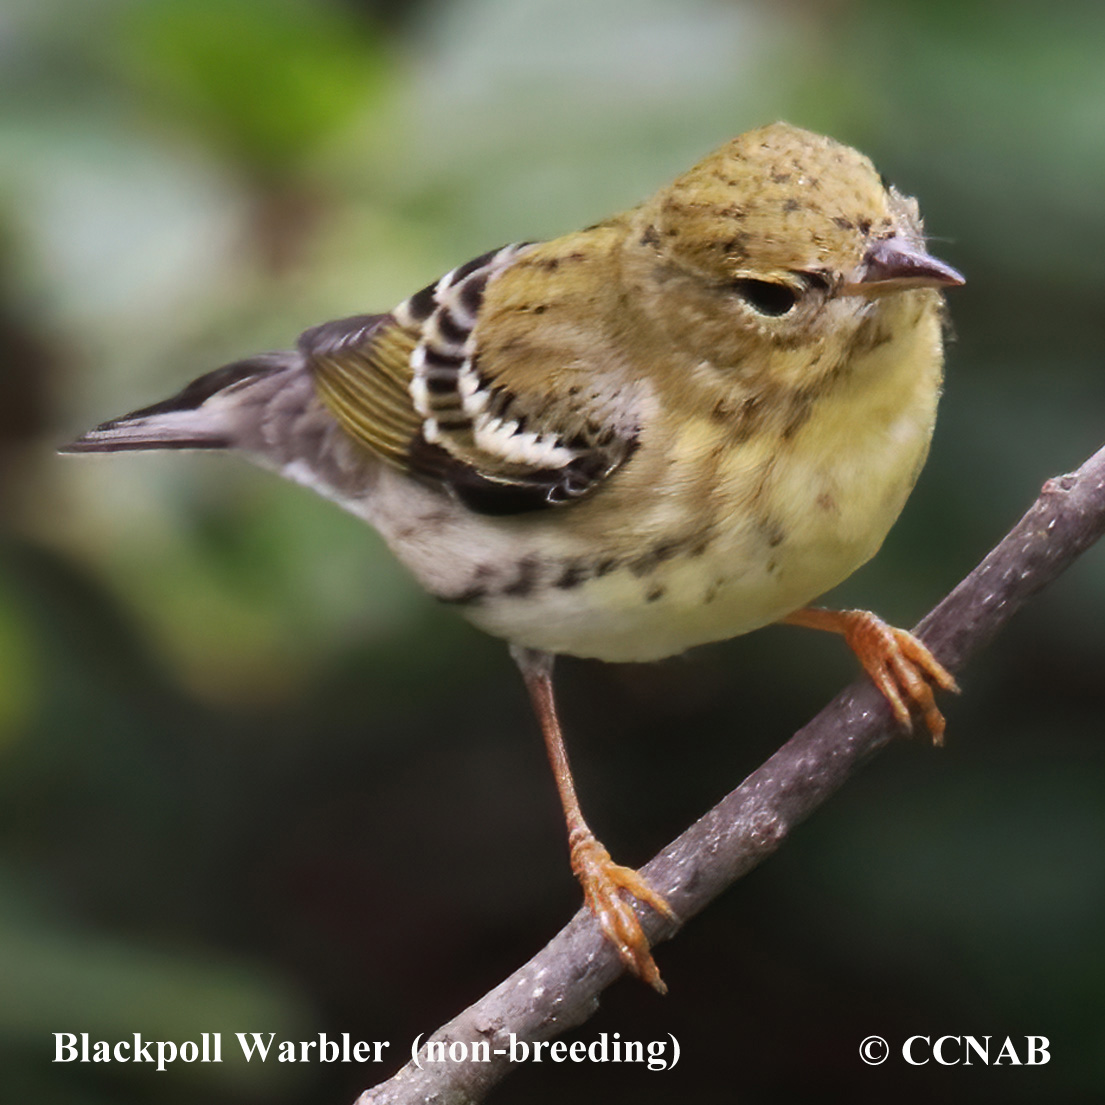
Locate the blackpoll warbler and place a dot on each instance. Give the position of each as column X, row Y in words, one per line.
column 673, row 427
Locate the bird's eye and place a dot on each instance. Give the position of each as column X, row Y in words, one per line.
column 766, row 297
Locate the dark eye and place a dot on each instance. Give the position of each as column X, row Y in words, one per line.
column 766, row 296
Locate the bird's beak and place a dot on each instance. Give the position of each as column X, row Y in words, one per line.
column 893, row 264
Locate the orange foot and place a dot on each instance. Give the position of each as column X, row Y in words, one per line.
column 602, row 879
column 897, row 662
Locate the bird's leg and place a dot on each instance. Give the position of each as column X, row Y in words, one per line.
column 601, row 878
column 897, row 662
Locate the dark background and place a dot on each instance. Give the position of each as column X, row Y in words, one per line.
column 251, row 779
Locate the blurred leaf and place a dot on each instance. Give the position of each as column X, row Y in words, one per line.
column 19, row 677
column 55, row 980
column 270, row 80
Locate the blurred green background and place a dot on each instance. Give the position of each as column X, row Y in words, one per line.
column 251, row 779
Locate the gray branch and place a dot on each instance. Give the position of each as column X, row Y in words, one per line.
column 559, row 987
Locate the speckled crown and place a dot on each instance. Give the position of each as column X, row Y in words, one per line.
column 777, row 198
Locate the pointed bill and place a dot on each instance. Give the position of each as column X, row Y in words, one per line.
column 893, row 264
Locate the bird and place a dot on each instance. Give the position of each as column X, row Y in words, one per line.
column 673, row 427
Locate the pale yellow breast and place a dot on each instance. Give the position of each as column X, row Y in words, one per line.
column 788, row 521
column 844, row 482
column 701, row 538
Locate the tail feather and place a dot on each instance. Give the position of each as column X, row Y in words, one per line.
column 198, row 417
column 170, row 431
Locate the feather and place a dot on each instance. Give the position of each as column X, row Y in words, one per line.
column 204, row 415
column 422, row 390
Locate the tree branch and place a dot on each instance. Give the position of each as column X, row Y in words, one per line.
column 559, row 987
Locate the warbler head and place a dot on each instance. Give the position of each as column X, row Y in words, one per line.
column 780, row 239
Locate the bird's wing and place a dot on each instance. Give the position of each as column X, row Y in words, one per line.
column 361, row 368
column 413, row 388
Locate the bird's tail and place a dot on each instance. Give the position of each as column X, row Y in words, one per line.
column 207, row 414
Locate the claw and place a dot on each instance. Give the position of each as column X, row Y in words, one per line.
column 902, row 668
column 603, row 882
